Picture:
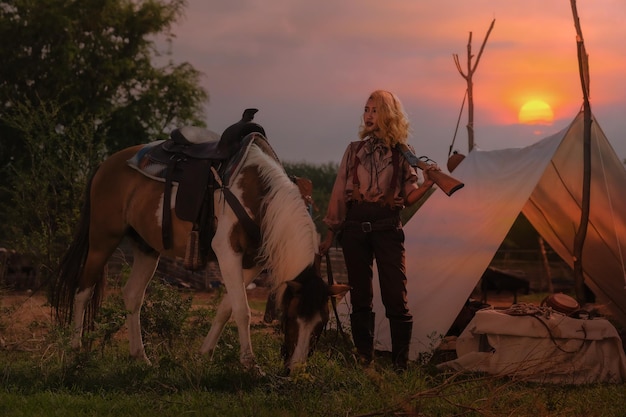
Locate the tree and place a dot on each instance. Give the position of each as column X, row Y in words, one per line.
column 94, row 59
column 78, row 81
column 46, row 193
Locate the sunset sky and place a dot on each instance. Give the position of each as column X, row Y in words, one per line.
column 309, row 66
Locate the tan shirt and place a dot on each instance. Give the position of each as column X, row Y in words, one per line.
column 375, row 172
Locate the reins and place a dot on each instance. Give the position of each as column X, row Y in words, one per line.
column 333, row 301
column 253, row 229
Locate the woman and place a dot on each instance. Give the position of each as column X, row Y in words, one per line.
column 374, row 182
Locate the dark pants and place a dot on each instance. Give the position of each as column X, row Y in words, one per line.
column 382, row 239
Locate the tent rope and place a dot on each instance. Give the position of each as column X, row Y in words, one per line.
column 542, row 313
column 606, row 186
column 458, row 121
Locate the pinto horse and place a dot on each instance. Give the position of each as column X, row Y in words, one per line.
column 122, row 202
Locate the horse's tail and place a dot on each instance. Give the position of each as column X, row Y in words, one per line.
column 70, row 269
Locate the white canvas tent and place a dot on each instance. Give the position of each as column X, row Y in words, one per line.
column 451, row 240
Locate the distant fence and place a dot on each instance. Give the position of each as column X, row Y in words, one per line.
column 528, row 263
column 173, row 271
column 18, row 272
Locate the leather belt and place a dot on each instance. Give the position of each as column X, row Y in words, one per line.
column 373, row 226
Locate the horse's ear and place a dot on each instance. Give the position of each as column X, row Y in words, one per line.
column 294, row 286
column 338, row 290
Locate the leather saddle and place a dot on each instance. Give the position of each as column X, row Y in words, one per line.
column 185, row 160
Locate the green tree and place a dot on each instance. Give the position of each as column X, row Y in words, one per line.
column 46, row 193
column 323, row 177
column 78, row 81
column 95, row 60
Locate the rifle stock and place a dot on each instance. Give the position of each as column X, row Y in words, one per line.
column 446, row 183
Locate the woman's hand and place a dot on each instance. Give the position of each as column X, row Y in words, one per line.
column 415, row 195
column 327, row 243
column 426, row 172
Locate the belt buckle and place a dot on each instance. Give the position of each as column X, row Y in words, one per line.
column 366, row 227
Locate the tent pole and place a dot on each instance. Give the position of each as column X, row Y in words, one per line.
column 581, row 233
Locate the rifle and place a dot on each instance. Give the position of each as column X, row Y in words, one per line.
column 446, row 183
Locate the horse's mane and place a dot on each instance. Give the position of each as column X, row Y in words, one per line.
column 290, row 239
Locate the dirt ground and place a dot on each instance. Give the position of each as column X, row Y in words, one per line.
column 24, row 319
column 26, row 316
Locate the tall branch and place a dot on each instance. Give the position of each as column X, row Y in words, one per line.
column 470, row 85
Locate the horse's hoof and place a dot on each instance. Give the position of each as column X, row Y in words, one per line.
column 249, row 363
column 296, row 369
column 76, row 344
column 208, row 353
column 141, row 358
column 256, row 369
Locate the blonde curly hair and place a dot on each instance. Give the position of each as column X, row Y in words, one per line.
column 393, row 122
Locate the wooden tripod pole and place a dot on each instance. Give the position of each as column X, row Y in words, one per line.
column 581, row 233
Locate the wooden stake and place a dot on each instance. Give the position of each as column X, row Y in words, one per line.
column 470, row 85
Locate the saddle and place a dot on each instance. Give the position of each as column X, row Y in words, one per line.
column 187, row 160
column 178, row 161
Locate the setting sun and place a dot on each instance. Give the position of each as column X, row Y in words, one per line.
column 536, row 112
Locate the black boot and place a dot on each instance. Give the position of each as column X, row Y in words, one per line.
column 363, row 335
column 401, row 332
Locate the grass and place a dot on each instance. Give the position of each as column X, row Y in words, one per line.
column 49, row 380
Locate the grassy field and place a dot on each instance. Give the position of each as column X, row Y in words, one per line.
column 40, row 376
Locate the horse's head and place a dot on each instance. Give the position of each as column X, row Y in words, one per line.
column 305, row 312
